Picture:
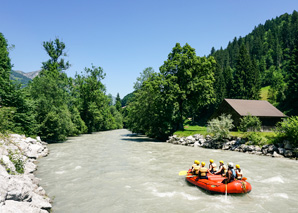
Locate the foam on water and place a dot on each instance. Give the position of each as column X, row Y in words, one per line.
column 276, row 179
column 189, row 197
column 281, row 195
column 60, row 172
column 78, row 167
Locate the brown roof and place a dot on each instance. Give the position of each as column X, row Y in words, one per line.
column 254, row 107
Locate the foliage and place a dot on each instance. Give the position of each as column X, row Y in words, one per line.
column 151, row 111
column 17, row 161
column 127, row 99
column 256, row 138
column 6, row 119
column 288, row 129
column 118, row 103
column 220, row 127
column 270, row 59
column 250, row 123
column 189, row 81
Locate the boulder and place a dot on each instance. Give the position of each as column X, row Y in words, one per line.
column 41, row 202
column 288, row 153
column 272, row 148
column 34, row 151
column 287, row 145
column 20, row 207
column 276, row 155
column 19, row 188
column 281, row 151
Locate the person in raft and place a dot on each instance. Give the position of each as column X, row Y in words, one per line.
column 222, row 169
column 231, row 174
column 195, row 167
column 239, row 174
column 202, row 172
column 212, row 167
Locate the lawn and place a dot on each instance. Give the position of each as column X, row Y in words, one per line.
column 192, row 130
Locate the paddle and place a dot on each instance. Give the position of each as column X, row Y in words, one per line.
column 183, row 173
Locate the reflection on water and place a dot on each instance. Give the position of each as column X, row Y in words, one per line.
column 116, row 171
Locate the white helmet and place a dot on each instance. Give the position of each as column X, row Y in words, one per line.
column 231, row 164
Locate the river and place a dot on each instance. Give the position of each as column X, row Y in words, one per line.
column 116, row 171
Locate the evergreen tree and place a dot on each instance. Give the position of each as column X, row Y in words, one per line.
column 118, row 103
column 6, row 87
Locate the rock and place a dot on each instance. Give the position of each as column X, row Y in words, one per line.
column 276, row 155
column 8, row 164
column 258, row 149
column 19, row 188
column 3, row 188
column 272, row 148
column 29, row 167
column 259, row 153
column 288, row 154
column 265, row 151
column 41, row 202
column 281, row 151
column 226, row 146
column 287, row 145
column 20, row 207
column 34, row 151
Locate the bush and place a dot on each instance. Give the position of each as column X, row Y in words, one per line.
column 288, row 129
column 250, row 123
column 255, row 138
column 220, row 127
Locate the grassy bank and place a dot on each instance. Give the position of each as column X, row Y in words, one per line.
column 192, row 130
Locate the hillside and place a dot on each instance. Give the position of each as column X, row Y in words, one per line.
column 267, row 52
column 22, row 77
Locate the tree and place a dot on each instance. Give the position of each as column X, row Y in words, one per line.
column 144, row 76
column 50, row 91
column 189, row 80
column 92, row 102
column 118, row 103
column 291, row 101
column 6, row 86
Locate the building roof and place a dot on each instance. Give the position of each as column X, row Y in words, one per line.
column 257, row 108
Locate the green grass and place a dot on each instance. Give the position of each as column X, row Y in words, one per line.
column 264, row 93
column 192, row 130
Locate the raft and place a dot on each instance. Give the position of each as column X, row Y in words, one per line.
column 214, row 184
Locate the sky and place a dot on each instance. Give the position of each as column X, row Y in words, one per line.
column 124, row 37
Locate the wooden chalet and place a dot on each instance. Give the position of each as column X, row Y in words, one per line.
column 238, row 108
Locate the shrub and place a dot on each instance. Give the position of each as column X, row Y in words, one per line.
column 255, row 138
column 288, row 129
column 250, row 123
column 220, row 127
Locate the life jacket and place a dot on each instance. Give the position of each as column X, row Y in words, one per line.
column 212, row 167
column 203, row 172
column 196, row 169
column 239, row 174
column 224, row 170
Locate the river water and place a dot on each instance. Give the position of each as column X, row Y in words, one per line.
column 116, row 171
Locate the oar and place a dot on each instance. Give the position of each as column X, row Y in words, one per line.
column 183, row 173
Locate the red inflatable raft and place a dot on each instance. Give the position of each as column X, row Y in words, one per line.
column 214, row 184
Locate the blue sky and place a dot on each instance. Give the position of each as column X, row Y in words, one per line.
column 126, row 36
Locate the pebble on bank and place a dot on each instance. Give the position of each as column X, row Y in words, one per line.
column 19, row 188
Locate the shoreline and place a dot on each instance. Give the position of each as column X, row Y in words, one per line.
column 19, row 188
column 281, row 150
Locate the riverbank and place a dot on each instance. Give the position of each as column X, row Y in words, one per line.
column 19, row 188
column 280, row 150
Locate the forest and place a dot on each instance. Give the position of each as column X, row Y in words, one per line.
column 56, row 106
